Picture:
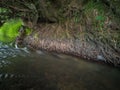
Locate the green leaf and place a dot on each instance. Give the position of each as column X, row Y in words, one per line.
column 100, row 18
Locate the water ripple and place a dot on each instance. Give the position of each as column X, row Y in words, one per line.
column 7, row 51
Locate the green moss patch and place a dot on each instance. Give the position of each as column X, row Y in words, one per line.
column 10, row 30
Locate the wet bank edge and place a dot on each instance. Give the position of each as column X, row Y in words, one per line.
column 82, row 49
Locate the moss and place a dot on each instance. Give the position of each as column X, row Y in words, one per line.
column 10, row 30
column 28, row 31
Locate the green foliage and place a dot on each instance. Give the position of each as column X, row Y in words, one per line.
column 4, row 14
column 10, row 30
column 28, row 31
column 100, row 18
column 96, row 8
column 77, row 17
column 96, row 14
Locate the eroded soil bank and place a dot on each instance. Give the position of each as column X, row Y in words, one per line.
column 75, row 40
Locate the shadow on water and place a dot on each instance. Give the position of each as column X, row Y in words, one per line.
column 20, row 70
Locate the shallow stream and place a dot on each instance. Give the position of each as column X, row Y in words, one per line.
column 21, row 69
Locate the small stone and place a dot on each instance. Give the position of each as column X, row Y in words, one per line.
column 100, row 57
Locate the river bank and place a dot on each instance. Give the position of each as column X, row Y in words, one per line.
column 74, row 40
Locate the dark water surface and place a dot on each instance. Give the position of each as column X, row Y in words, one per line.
column 23, row 70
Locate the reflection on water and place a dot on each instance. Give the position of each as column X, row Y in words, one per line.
column 45, row 71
